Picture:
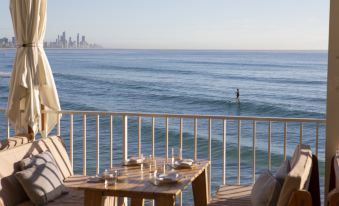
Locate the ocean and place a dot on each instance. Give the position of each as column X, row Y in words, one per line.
column 271, row 83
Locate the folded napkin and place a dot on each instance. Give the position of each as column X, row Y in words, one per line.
column 134, row 161
column 185, row 163
column 95, row 179
column 171, row 176
column 164, row 179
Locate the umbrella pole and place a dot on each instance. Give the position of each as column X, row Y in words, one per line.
column 31, row 133
column 43, row 119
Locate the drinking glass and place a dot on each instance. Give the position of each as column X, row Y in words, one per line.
column 176, row 154
column 153, row 166
column 110, row 176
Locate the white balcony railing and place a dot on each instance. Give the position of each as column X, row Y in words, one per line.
column 216, row 125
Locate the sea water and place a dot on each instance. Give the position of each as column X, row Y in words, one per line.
column 271, row 84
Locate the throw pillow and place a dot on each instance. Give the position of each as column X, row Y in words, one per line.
column 42, row 183
column 266, row 190
column 283, row 171
column 36, row 160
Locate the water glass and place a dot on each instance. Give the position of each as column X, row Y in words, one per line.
column 164, row 167
column 176, row 154
column 153, row 166
column 110, row 176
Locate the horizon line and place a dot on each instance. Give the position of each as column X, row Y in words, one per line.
column 181, row 49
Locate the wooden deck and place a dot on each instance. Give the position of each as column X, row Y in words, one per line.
column 232, row 195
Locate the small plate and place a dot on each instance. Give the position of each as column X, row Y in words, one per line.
column 183, row 164
column 163, row 179
column 133, row 161
column 95, row 179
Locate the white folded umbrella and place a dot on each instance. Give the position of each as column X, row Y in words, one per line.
column 32, row 84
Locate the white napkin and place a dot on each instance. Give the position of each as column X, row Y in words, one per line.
column 168, row 177
column 134, row 160
column 185, row 163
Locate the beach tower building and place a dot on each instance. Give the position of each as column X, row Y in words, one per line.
column 63, row 39
column 83, row 42
column 78, row 40
column 13, row 41
column 70, row 43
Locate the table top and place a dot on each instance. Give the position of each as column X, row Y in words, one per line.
column 135, row 181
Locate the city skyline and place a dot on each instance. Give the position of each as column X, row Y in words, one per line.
column 60, row 42
column 191, row 24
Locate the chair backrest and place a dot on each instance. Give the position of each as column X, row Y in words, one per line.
column 11, row 192
column 300, row 175
column 314, row 186
column 334, row 174
column 14, row 142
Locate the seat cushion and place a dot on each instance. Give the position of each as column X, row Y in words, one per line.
column 336, row 170
column 283, row 171
column 36, row 160
column 266, row 190
column 14, row 142
column 56, row 147
column 229, row 195
column 298, row 177
column 42, row 183
column 74, row 197
column 11, row 192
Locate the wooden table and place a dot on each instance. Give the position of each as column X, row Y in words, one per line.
column 135, row 183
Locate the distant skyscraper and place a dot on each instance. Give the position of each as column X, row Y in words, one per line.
column 13, row 41
column 70, row 43
column 78, row 40
column 83, row 42
column 60, row 42
column 64, row 42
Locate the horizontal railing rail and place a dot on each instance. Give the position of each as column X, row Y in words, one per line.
column 222, row 119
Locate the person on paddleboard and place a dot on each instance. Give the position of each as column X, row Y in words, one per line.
column 237, row 93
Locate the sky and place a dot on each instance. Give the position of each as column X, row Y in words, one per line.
column 188, row 24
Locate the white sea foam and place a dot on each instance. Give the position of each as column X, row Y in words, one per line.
column 5, row 74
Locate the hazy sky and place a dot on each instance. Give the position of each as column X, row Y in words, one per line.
column 188, row 24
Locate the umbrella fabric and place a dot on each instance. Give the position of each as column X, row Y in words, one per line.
column 32, row 83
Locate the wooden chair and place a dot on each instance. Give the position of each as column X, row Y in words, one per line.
column 333, row 195
column 241, row 194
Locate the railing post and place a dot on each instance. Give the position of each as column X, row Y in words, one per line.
column 111, row 141
column 84, row 158
column 269, row 144
column 209, row 156
column 301, row 132
column 153, row 137
column 285, row 139
column 317, row 139
column 166, row 126
column 139, row 136
column 98, row 146
column 254, row 149
column 124, row 137
column 181, row 128
column 195, row 138
column 239, row 151
column 224, row 152
column 71, row 139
